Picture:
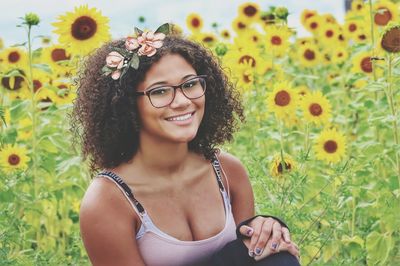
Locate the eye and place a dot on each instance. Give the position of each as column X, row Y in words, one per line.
column 160, row 91
column 190, row 83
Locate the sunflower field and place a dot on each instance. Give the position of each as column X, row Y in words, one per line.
column 321, row 139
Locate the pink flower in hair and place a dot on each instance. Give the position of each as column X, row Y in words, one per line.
column 116, row 74
column 131, row 43
column 150, row 42
column 115, row 59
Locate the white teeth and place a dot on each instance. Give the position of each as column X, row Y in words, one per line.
column 180, row 118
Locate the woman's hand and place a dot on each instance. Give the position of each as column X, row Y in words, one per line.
column 266, row 236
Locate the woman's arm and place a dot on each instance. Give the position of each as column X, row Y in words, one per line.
column 108, row 226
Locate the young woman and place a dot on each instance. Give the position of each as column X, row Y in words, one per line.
column 150, row 113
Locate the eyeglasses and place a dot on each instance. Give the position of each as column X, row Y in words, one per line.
column 162, row 96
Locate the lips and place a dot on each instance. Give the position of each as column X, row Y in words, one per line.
column 180, row 117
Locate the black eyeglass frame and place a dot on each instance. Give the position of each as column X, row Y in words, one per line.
column 148, row 91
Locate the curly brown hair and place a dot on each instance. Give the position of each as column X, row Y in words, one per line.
column 105, row 119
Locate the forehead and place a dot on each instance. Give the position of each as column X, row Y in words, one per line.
column 169, row 69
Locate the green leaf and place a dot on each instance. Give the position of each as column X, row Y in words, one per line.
column 134, row 61
column 378, row 248
column 164, row 28
column 106, row 70
column 138, row 31
column 46, row 68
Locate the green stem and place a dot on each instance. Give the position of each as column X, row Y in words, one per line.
column 33, row 113
column 390, row 98
column 372, row 40
column 353, row 217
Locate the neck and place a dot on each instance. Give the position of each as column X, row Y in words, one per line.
column 162, row 158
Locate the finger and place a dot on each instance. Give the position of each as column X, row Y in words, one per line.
column 276, row 236
column 256, row 235
column 264, row 237
column 286, row 235
column 246, row 230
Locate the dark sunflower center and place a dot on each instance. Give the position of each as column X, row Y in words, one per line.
column 250, row 11
column 362, row 37
column 352, row 27
column 391, row 40
column 83, row 28
column 340, row 54
column 36, row 85
column 59, row 54
column 13, row 57
column 313, row 25
column 246, row 78
column 329, row 33
column 288, row 166
column 315, row 109
column 247, row 58
column 208, row 39
column 309, row 15
column 255, row 39
column 382, row 17
column 13, row 159
column 226, row 34
column 366, row 65
column 276, row 40
column 5, row 81
column 330, row 146
column 282, row 98
column 241, row 25
column 309, row 54
column 195, row 22
column 359, row 6
column 341, row 37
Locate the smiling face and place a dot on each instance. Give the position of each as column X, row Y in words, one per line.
column 179, row 121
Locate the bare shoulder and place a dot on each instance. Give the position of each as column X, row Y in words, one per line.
column 107, row 224
column 241, row 192
column 233, row 167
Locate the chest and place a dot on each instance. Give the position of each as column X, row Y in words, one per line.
column 188, row 211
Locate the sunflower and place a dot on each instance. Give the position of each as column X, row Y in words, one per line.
column 302, row 91
column 245, row 76
column 56, row 57
column 249, row 11
column 1, row 44
column 249, row 37
column 194, row 22
column 339, row 54
column 208, row 39
column 13, row 57
column 309, row 55
column 328, row 34
column 330, row 146
column 13, row 158
column 316, row 108
column 225, row 34
column 82, row 30
column 64, row 94
column 314, row 23
column 357, row 5
column 15, row 86
column 282, row 100
column 243, row 54
column 278, row 166
column 277, row 39
column 385, row 11
column 240, row 25
column 306, row 14
column 45, row 97
column 362, row 63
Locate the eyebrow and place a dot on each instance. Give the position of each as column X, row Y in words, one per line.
column 165, row 82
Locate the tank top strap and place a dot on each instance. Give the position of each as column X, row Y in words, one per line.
column 127, row 191
column 217, row 169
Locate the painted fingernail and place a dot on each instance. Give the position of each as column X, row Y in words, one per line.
column 258, row 251
column 251, row 253
column 249, row 232
column 274, row 246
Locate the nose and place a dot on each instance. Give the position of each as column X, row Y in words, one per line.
column 180, row 100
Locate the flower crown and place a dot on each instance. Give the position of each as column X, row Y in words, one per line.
column 144, row 44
